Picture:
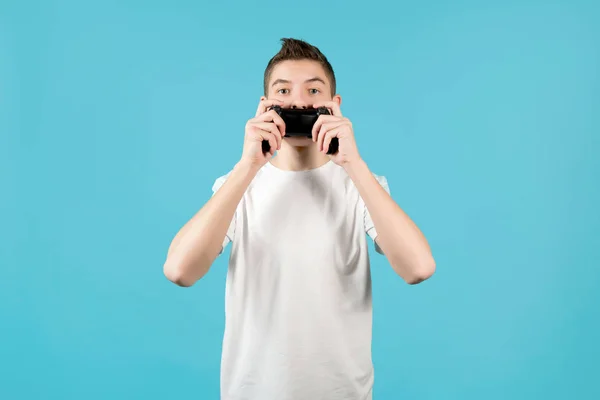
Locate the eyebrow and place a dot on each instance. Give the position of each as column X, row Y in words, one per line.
column 315, row 79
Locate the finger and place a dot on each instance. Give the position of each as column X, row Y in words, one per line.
column 323, row 119
column 333, row 106
column 272, row 116
column 328, row 137
column 264, row 105
column 322, row 133
column 270, row 137
column 326, row 127
column 271, row 128
column 280, row 123
column 259, row 134
column 277, row 135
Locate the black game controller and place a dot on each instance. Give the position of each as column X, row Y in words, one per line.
column 299, row 123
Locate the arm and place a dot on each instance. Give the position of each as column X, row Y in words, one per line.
column 199, row 242
column 398, row 237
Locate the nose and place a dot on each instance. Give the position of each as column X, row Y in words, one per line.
column 299, row 104
column 299, row 101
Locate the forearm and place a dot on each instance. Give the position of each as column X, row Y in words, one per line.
column 199, row 242
column 398, row 236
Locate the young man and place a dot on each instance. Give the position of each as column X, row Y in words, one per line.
column 298, row 294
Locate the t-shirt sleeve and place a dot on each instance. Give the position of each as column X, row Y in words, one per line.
column 369, row 226
column 231, row 230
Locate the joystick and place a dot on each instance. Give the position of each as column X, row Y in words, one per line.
column 299, row 123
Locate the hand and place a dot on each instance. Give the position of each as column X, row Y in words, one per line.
column 337, row 126
column 266, row 125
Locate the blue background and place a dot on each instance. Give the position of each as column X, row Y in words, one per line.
column 117, row 116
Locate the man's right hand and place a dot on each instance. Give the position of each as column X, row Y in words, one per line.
column 266, row 125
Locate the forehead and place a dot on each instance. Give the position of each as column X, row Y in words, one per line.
column 298, row 71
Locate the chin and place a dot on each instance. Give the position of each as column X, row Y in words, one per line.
column 299, row 142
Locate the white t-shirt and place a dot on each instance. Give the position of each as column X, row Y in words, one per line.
column 298, row 291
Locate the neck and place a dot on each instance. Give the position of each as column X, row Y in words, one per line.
column 299, row 158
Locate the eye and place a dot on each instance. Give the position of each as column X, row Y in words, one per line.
column 314, row 91
column 282, row 91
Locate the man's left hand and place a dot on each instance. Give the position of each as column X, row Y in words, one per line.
column 337, row 126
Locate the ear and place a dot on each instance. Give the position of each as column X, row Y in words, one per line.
column 338, row 99
column 262, row 98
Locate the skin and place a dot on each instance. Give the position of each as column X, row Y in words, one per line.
column 300, row 84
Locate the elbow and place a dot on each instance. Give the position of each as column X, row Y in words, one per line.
column 185, row 270
column 420, row 271
column 176, row 274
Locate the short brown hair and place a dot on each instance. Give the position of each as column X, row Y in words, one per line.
column 296, row 49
